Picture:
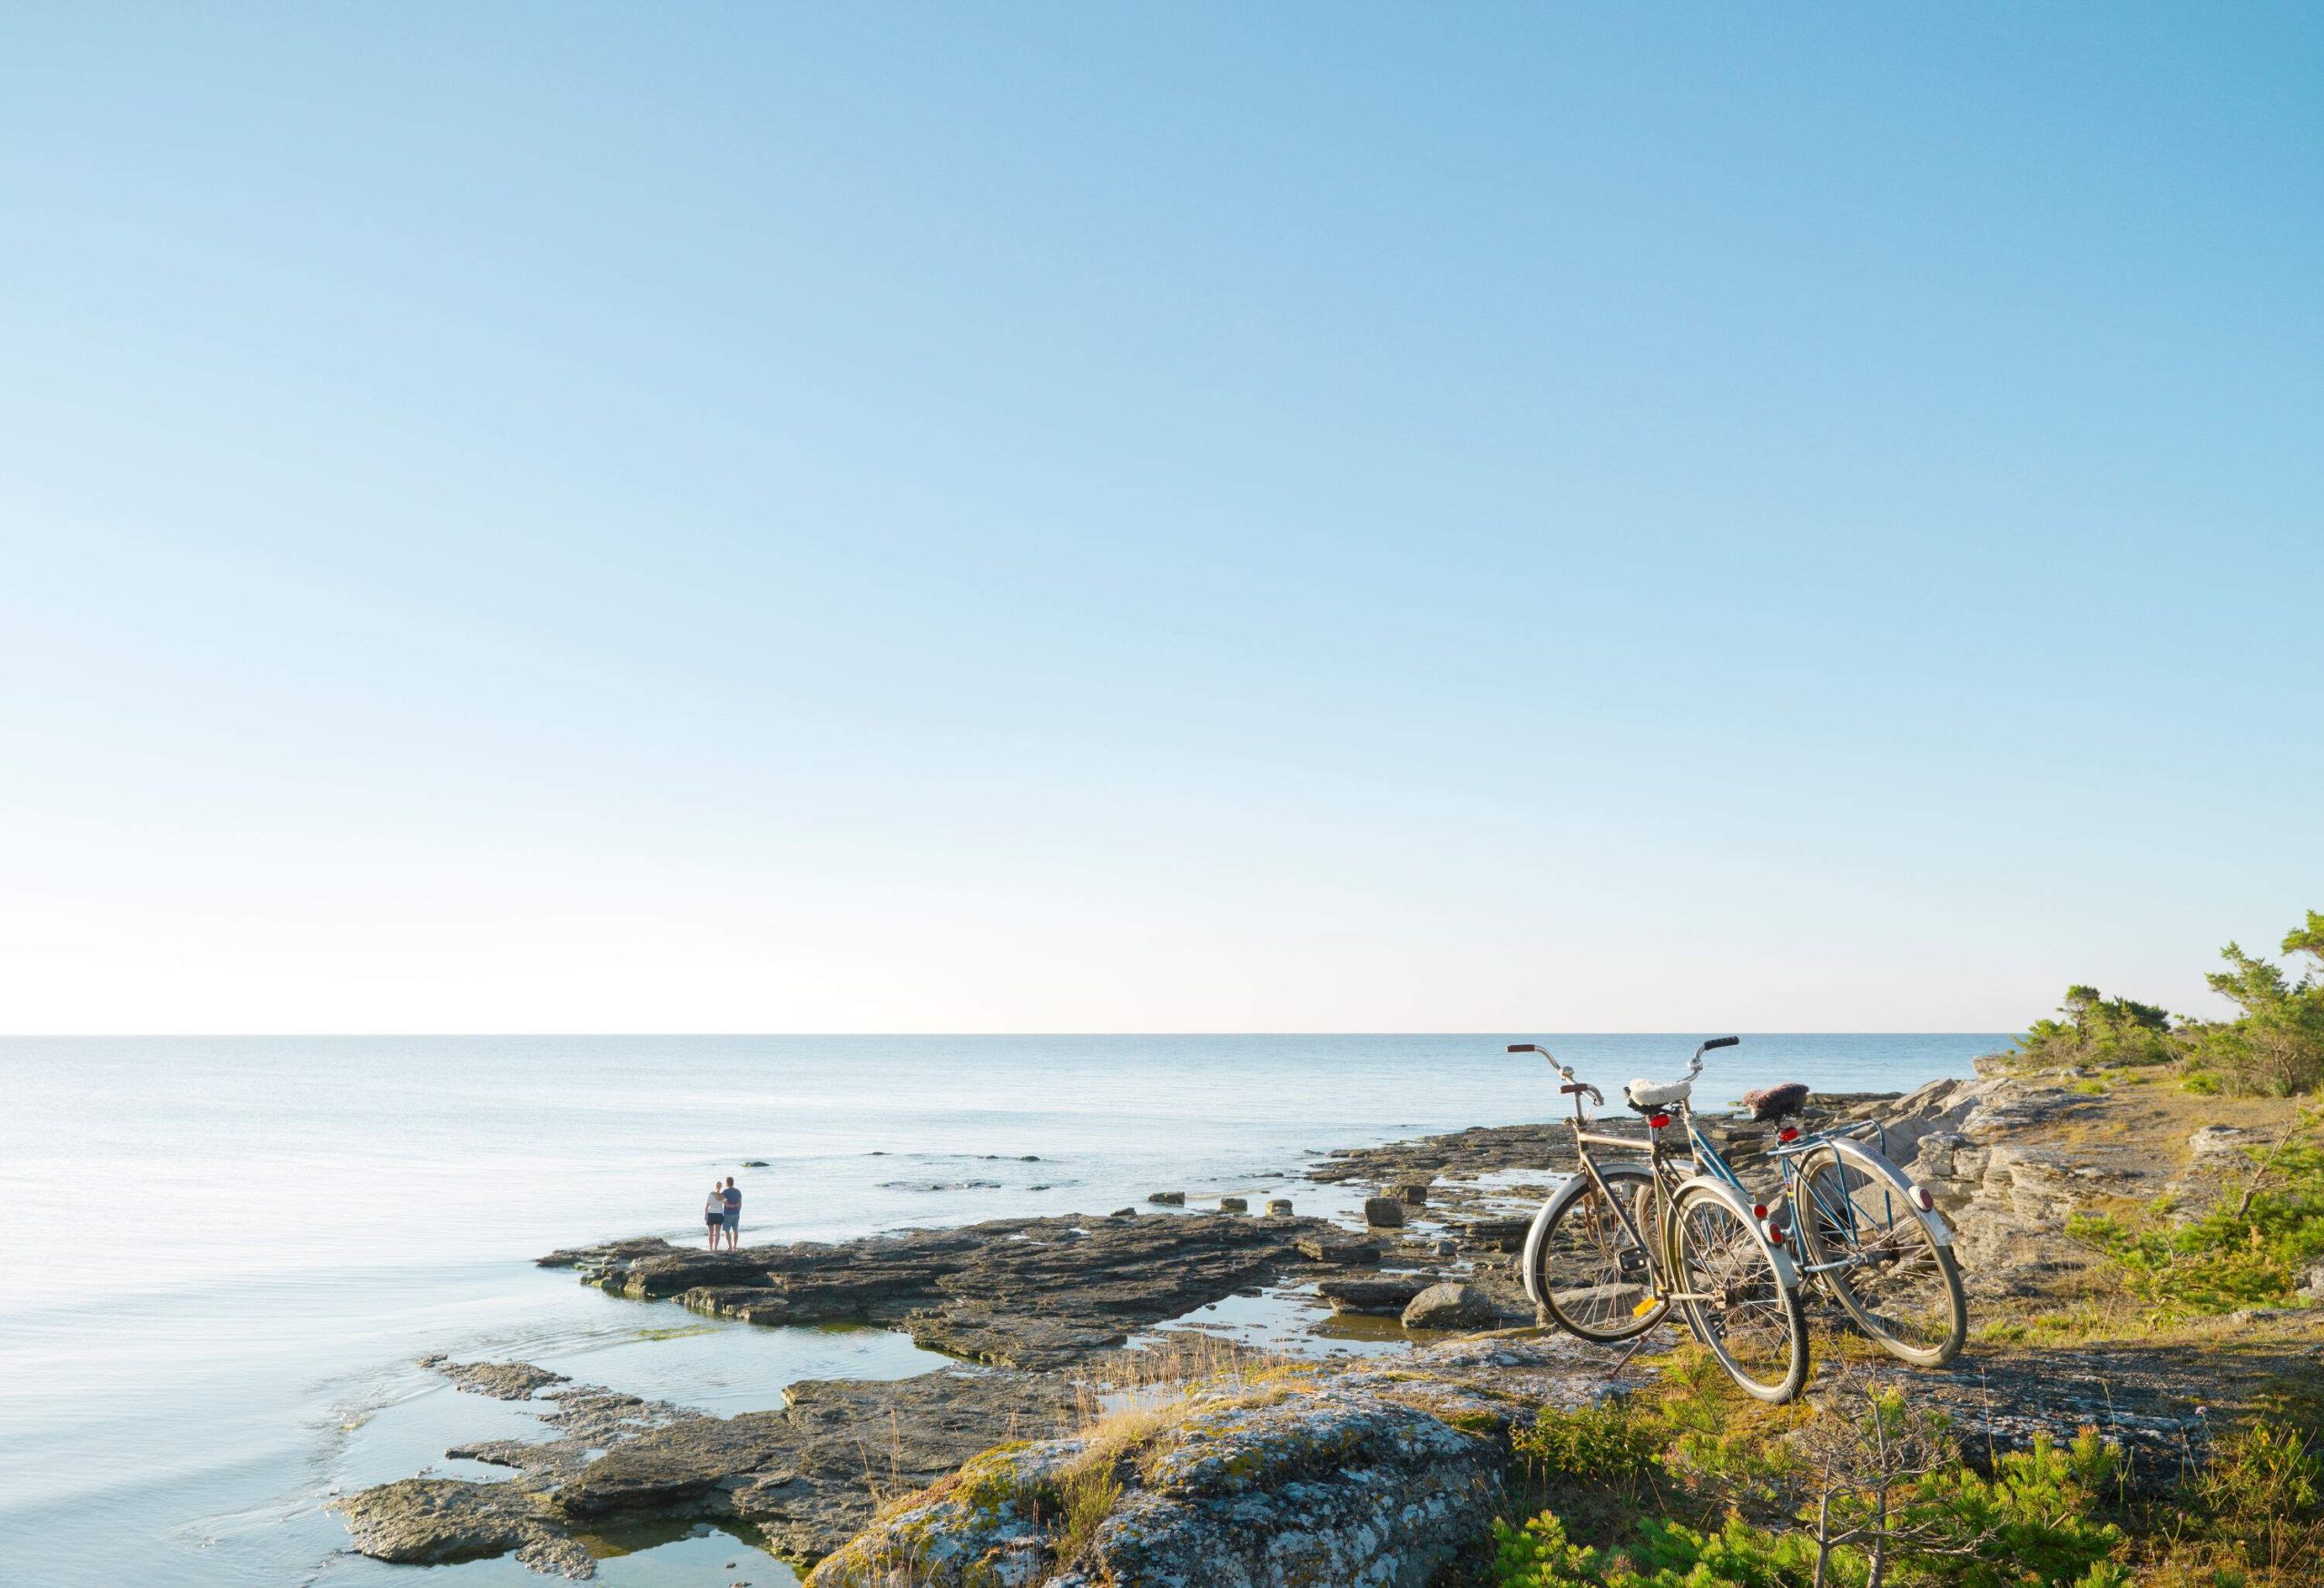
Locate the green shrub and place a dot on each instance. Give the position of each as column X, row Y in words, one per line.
column 2037, row 1519
column 2098, row 1030
column 1667, row 1554
column 2249, row 1250
column 2275, row 1047
column 1613, row 1442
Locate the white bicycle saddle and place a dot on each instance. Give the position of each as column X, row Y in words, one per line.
column 1657, row 1094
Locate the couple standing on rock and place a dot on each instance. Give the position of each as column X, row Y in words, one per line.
column 721, row 1213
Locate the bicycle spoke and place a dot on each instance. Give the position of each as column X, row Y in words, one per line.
column 1593, row 1270
column 1890, row 1275
column 1747, row 1315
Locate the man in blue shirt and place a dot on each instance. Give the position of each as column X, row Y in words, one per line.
column 731, row 1226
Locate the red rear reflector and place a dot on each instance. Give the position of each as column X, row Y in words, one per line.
column 1758, row 1210
column 1658, row 1120
column 1775, row 1231
column 1928, row 1202
column 1789, row 1133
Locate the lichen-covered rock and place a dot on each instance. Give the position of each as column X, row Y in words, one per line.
column 1302, row 1487
column 1383, row 1212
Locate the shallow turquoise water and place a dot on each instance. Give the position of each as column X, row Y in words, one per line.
column 231, row 1249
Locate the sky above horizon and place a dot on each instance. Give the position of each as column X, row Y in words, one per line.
column 1153, row 517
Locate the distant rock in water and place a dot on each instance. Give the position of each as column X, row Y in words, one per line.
column 503, row 1381
column 1233, row 1205
column 1169, row 1198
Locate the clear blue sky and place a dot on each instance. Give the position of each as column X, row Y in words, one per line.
column 1153, row 517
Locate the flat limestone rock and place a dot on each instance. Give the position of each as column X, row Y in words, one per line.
column 1385, row 1296
column 506, row 1381
column 809, row 1475
column 436, row 1521
column 1031, row 1293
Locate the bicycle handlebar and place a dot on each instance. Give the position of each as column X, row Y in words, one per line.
column 1694, row 1065
column 1596, row 1096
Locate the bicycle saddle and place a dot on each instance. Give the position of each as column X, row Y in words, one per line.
column 1777, row 1102
column 1647, row 1095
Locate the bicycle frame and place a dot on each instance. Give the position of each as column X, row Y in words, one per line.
column 1661, row 1258
column 1898, row 1195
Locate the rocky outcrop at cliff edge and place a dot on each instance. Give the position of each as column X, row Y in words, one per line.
column 1350, row 1474
column 1330, row 1486
column 1032, row 1293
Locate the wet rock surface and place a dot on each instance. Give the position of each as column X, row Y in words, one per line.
column 506, row 1381
column 807, row 1476
column 1033, row 1293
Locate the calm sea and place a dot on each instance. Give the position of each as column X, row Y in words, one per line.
column 229, row 1250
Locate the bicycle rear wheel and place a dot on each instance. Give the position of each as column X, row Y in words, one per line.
column 1741, row 1309
column 1874, row 1249
column 1592, row 1272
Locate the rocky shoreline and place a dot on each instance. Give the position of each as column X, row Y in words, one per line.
column 1370, row 1470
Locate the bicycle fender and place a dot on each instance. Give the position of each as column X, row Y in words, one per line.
column 1575, row 1185
column 1878, row 1163
column 1786, row 1271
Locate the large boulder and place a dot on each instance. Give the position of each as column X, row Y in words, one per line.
column 1383, row 1212
column 1449, row 1306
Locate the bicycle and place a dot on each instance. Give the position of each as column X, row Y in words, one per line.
column 1590, row 1266
column 1872, row 1237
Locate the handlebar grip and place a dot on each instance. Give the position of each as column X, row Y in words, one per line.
column 1722, row 1042
column 1524, row 1047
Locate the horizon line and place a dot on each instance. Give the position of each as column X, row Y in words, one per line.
column 173, row 1036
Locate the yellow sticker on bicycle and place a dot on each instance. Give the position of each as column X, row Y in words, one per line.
column 1643, row 1308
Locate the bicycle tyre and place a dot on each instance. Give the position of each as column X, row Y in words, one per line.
column 1588, row 1270
column 1905, row 1289
column 1756, row 1329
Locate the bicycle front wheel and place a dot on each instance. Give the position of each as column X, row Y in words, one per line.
column 1591, row 1273
column 1737, row 1303
column 1876, row 1252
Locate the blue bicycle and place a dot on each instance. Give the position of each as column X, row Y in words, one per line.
column 1600, row 1260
